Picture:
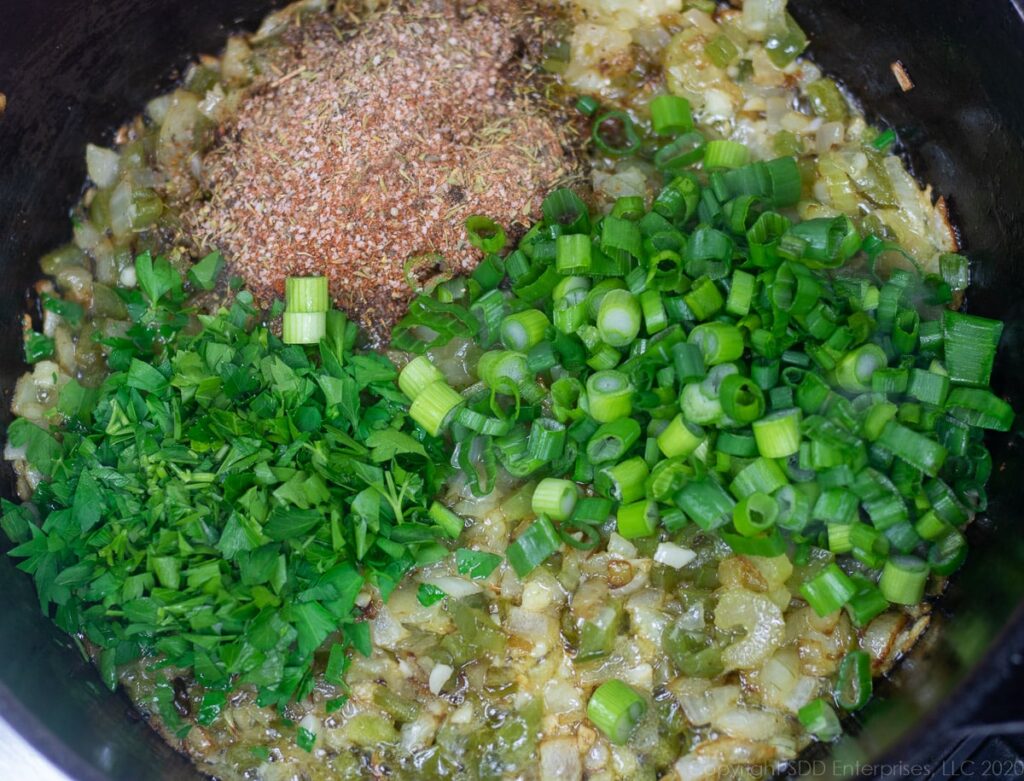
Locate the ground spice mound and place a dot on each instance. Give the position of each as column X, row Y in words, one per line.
column 372, row 145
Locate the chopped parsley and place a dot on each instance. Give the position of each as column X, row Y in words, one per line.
column 477, row 564
column 428, row 594
column 220, row 501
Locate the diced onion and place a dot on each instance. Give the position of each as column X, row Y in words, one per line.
column 762, row 620
column 672, row 555
column 439, row 677
column 102, row 165
column 560, row 760
column 454, row 587
column 829, row 135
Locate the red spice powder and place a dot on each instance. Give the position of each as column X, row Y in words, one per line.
column 371, row 145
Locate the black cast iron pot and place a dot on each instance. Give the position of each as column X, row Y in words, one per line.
column 72, row 70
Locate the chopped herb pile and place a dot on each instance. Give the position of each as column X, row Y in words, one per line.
column 709, row 359
column 222, row 498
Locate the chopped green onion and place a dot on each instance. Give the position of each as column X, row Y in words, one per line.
column 856, row 368
column 604, row 357
column 706, row 503
column 795, row 289
column 638, row 519
column 754, row 514
column 970, row 347
column 688, row 360
column 546, row 441
column 501, row 369
column 564, row 208
column 828, row 591
column 555, row 498
column 609, row 396
column 304, row 327
column 616, row 709
column 655, row 317
column 853, row 686
column 725, row 154
column 522, row 330
column 615, row 135
column 778, row 434
column 818, row 718
column 767, row 545
column 533, row 547
column 570, row 311
column 947, row 554
column 704, row 299
column 613, row 440
column 623, row 482
column 417, row 375
column 681, row 152
column 484, row 233
column 450, row 523
column 761, row 475
column 628, row 207
column 980, row 407
column 742, row 400
column 718, row 342
column 828, row 241
column 884, row 140
column 913, row 447
column 697, row 407
column 306, row 294
column 592, row 510
column 741, row 293
column 708, row 252
column 903, row 580
column 573, row 253
column 587, row 105
column 794, row 508
column 737, row 443
column 618, row 319
column 867, row 604
column 928, row 386
column 433, row 406
column 598, row 292
column 671, row 115
column 835, row 507
column 680, row 438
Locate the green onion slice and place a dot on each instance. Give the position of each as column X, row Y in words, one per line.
column 616, row 709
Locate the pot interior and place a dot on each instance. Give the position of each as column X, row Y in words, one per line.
column 73, row 70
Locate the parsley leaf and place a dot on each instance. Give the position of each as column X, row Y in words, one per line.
column 305, row 739
column 87, row 507
column 71, row 311
column 210, row 708
column 204, row 273
column 38, row 347
column 313, row 622
column 157, row 277
column 429, row 594
column 388, row 443
column 476, row 564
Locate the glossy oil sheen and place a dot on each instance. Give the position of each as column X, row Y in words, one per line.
column 71, row 70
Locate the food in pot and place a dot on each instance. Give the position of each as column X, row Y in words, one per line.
column 655, row 488
column 362, row 146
